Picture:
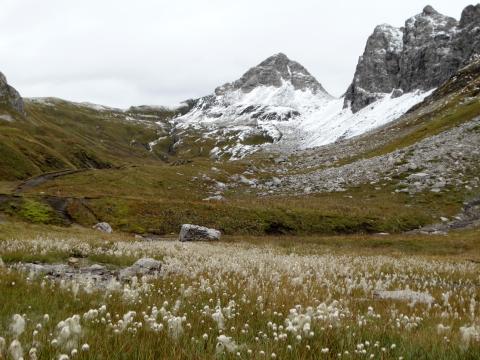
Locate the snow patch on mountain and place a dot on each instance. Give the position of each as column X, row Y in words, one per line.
column 287, row 117
column 334, row 122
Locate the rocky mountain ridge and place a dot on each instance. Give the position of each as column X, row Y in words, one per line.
column 279, row 102
column 273, row 72
column 422, row 55
column 9, row 96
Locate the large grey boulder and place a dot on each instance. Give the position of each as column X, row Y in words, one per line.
column 190, row 232
column 422, row 55
column 103, row 227
column 143, row 266
column 9, row 96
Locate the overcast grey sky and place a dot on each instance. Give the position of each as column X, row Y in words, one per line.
column 120, row 53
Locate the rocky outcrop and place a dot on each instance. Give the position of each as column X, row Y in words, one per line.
column 9, row 96
column 95, row 275
column 190, row 232
column 273, row 72
column 428, row 58
column 468, row 38
column 468, row 218
column 378, row 69
column 420, row 56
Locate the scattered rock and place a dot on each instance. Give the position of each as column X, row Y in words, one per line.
column 214, row 198
column 438, row 156
column 468, row 218
column 144, row 266
column 190, row 232
column 103, row 227
column 73, row 261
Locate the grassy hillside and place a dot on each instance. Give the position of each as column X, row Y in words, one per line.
column 143, row 191
column 56, row 135
column 159, row 198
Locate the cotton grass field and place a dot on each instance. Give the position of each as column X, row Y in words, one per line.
column 252, row 298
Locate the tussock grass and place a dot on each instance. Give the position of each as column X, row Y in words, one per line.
column 262, row 287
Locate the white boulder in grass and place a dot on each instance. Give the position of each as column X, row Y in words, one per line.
column 190, row 232
column 103, row 227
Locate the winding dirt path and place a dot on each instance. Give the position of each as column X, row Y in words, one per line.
column 42, row 178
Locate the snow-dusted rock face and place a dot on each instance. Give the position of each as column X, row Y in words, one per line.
column 428, row 58
column 246, row 113
column 274, row 71
column 276, row 89
column 468, row 36
column 420, row 56
column 378, row 69
column 280, row 102
column 9, row 96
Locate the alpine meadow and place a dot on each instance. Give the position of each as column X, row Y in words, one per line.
column 269, row 219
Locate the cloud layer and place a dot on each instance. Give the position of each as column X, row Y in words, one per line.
column 121, row 53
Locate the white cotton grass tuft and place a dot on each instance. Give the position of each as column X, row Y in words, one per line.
column 85, row 347
column 16, row 350
column 175, row 328
column 69, row 332
column 469, row 334
column 63, row 357
column 17, row 326
column 91, row 314
column 442, row 329
column 126, row 320
column 3, row 347
column 32, row 354
column 225, row 343
column 218, row 317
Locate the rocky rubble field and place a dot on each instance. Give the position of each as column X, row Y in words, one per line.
column 432, row 164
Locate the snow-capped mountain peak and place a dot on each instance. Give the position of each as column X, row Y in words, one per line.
column 273, row 72
column 279, row 101
column 278, row 89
